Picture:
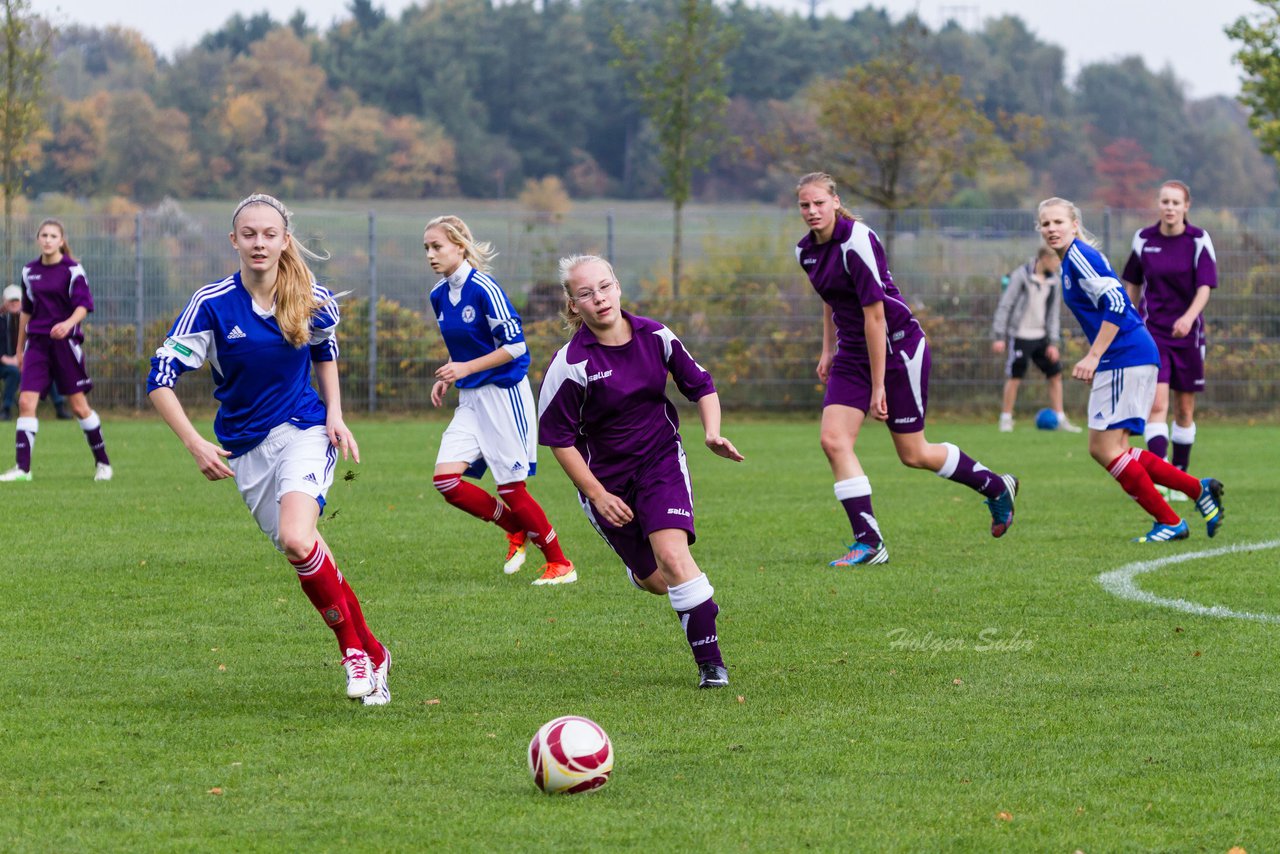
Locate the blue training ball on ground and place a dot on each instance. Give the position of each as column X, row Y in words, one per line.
column 1047, row 419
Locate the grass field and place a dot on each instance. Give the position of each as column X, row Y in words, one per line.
column 169, row 688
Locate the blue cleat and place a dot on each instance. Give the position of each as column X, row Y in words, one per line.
column 1210, row 504
column 1002, row 506
column 1165, row 533
column 861, row 554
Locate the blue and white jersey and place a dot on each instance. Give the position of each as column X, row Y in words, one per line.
column 1094, row 295
column 261, row 380
column 475, row 319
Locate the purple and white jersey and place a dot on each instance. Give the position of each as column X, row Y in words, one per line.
column 51, row 293
column 610, row 402
column 1170, row 269
column 260, row 380
column 849, row 271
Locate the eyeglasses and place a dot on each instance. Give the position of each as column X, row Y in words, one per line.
column 591, row 293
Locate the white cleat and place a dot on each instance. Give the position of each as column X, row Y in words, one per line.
column 15, row 474
column 1006, row 423
column 517, row 551
column 381, row 693
column 359, row 673
column 103, row 472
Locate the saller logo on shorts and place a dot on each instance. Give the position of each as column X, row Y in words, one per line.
column 179, row 348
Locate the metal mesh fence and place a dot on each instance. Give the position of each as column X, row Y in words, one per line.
column 744, row 308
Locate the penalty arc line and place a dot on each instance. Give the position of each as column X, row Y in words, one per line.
column 1120, row 582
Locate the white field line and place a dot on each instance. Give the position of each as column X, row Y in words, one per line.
column 1120, row 582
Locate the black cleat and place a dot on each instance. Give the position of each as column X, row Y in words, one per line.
column 712, row 676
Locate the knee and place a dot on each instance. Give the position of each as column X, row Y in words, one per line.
column 447, row 485
column 835, row 443
column 296, row 544
column 915, row 457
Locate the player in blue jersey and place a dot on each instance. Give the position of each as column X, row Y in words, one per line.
column 875, row 361
column 495, row 424
column 1122, row 365
column 50, row 348
column 262, row 331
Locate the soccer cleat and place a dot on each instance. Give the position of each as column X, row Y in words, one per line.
column 381, row 693
column 712, row 675
column 103, row 472
column 360, row 676
column 1171, row 494
column 861, row 554
column 557, row 573
column 1067, row 427
column 1001, row 506
column 16, row 473
column 1006, row 423
column 1210, row 504
column 516, row 552
column 1165, row 533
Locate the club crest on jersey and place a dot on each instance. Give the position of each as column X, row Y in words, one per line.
column 469, row 314
column 182, row 349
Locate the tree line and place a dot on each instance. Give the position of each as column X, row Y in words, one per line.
column 477, row 98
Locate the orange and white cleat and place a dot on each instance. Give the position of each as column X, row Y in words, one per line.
column 557, row 573
column 515, row 552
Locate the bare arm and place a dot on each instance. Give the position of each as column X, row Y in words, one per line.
column 450, row 372
column 828, row 343
column 1182, row 326
column 709, row 412
column 208, row 456
column 63, row 329
column 23, row 320
column 1088, row 366
column 610, row 507
column 875, row 328
column 331, row 393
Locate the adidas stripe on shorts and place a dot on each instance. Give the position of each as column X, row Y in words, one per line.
column 290, row 459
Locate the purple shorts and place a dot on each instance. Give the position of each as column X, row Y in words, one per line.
column 906, row 383
column 1180, row 366
column 48, row 360
column 659, row 497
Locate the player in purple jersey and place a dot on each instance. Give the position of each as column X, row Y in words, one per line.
column 1170, row 272
column 493, row 426
column 1121, row 367
column 604, row 413
column 263, row 331
column 875, row 360
column 55, row 299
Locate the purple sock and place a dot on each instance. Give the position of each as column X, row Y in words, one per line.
column 863, row 520
column 1181, row 456
column 99, row 448
column 692, row 602
column 962, row 468
column 24, row 441
column 1159, row 445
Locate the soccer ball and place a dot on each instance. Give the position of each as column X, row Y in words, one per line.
column 569, row 755
column 1047, row 419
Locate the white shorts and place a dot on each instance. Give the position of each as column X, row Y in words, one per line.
column 1122, row 397
column 288, row 460
column 493, row 427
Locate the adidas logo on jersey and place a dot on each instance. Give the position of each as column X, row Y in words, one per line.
column 517, row 466
column 236, row 332
column 310, row 477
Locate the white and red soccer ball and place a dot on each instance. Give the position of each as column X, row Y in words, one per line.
column 570, row 755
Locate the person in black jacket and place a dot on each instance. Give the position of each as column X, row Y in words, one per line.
column 9, row 371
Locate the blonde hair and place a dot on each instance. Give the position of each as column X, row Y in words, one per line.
column 1085, row 234
column 572, row 319
column 296, row 302
column 477, row 254
column 829, row 184
column 66, row 247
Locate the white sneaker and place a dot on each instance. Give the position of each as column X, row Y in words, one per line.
column 1006, row 423
column 359, row 673
column 103, row 472
column 15, row 473
column 1067, row 427
column 381, row 693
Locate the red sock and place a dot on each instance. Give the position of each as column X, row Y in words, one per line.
column 476, row 501
column 1134, row 479
column 319, row 579
column 530, row 514
column 1167, row 474
column 372, row 645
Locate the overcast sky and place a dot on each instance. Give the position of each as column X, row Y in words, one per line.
column 1184, row 34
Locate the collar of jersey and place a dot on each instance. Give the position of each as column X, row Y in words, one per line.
column 458, row 277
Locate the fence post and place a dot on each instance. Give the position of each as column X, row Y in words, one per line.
column 139, row 313
column 373, row 312
column 608, row 240
column 1106, row 232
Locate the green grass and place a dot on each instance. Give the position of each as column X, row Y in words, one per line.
column 158, row 648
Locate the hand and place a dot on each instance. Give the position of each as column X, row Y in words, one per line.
column 342, row 438
column 997, row 346
column 61, row 330
column 1085, row 368
column 824, row 367
column 9, row 360
column 209, row 457
column 1051, row 353
column 1182, row 326
column 612, row 509
column 722, row 447
column 438, row 389
column 879, row 409
column 452, row 371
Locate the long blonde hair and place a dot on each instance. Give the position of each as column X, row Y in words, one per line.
column 1085, row 234
column 296, row 302
column 478, row 254
column 829, row 184
column 572, row 319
